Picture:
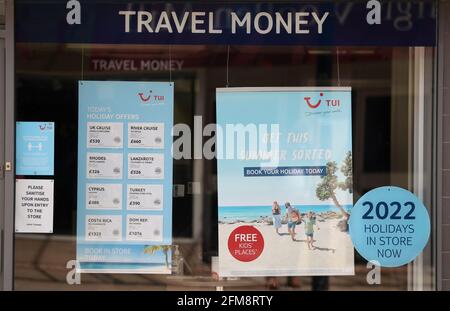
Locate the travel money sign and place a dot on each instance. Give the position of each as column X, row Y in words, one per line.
column 382, row 23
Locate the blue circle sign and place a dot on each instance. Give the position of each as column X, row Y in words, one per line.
column 389, row 225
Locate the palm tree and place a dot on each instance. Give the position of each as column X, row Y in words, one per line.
column 347, row 171
column 326, row 189
column 151, row 249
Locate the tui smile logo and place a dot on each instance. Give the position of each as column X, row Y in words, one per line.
column 151, row 98
column 46, row 126
column 312, row 105
column 144, row 98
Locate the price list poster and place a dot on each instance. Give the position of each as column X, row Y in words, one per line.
column 124, row 205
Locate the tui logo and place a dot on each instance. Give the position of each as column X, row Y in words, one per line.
column 150, row 98
column 46, row 126
column 311, row 105
column 145, row 98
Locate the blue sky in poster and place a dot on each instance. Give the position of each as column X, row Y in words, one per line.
column 120, row 102
column 327, row 128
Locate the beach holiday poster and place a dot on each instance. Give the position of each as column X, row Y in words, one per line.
column 284, row 181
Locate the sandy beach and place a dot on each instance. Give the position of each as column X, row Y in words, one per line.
column 334, row 253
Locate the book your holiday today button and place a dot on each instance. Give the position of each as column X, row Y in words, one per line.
column 389, row 225
column 246, row 243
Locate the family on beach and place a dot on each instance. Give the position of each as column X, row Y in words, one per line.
column 294, row 218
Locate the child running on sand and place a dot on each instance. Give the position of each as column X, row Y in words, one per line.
column 310, row 221
column 293, row 217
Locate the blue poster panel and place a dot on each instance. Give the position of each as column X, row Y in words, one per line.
column 284, row 181
column 389, row 226
column 35, row 148
column 124, row 209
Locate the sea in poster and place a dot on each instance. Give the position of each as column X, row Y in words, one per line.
column 309, row 169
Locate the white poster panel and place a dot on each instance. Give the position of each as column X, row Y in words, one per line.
column 146, row 135
column 105, row 228
column 104, row 165
column 34, row 205
column 144, row 228
column 145, row 166
column 104, row 196
column 145, row 197
column 105, row 134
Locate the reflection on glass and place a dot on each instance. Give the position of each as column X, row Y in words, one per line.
column 47, row 76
